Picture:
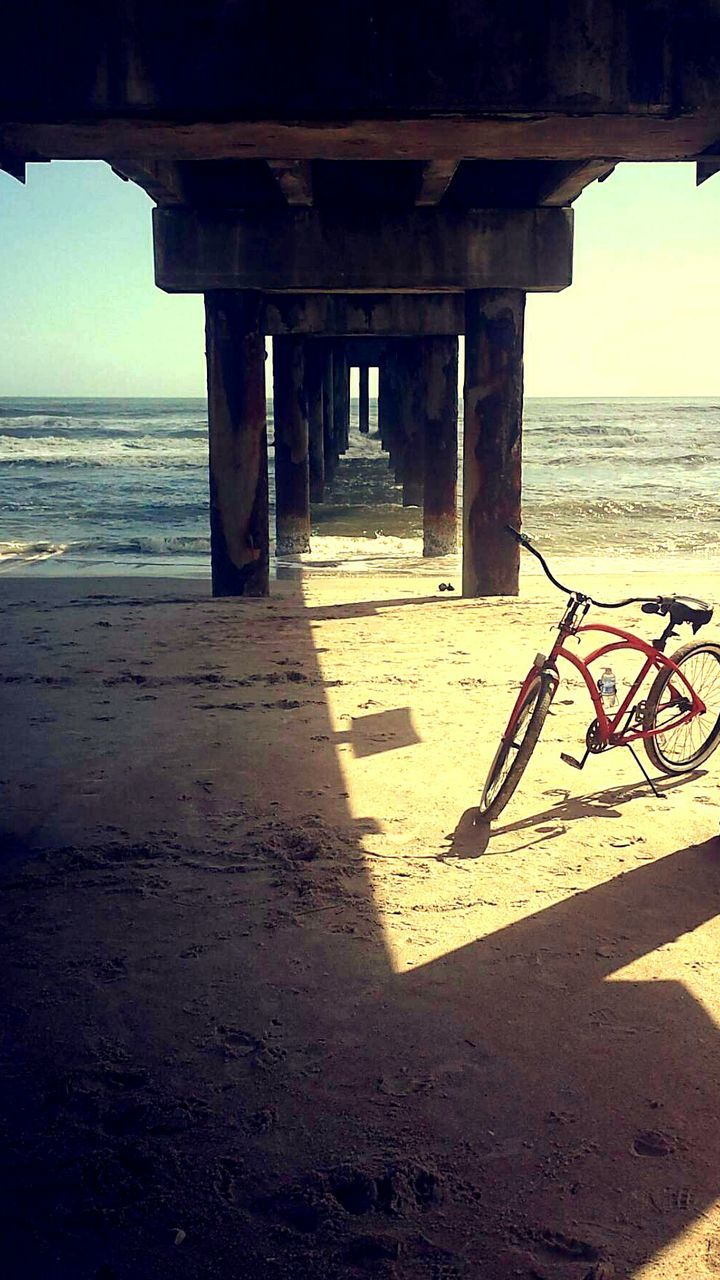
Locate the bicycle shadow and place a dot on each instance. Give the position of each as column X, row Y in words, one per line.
column 473, row 833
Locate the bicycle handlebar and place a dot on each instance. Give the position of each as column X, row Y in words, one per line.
column 525, row 542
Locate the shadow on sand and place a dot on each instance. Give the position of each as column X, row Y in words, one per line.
column 212, row 1068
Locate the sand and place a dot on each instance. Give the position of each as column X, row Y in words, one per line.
column 275, row 1006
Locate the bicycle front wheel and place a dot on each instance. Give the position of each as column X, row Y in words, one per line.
column 681, row 748
column 517, row 746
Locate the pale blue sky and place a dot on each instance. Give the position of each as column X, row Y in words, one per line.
column 80, row 315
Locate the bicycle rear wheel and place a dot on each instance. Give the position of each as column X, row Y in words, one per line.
column 517, row 746
column 682, row 748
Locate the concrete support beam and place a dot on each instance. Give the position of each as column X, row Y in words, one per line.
column 292, row 472
column 423, row 250
column 436, row 178
column 379, row 315
column 294, row 178
column 440, row 386
column 364, row 399
column 492, row 458
column 314, row 370
column 238, row 446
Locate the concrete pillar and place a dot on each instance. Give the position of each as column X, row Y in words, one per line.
column 412, row 418
column 314, row 370
column 239, row 532
column 329, row 447
column 364, row 400
column 492, row 457
column 292, row 472
column 439, row 382
column 341, row 376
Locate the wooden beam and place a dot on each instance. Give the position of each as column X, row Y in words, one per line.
column 330, row 457
column 238, row 446
column 292, row 469
column 633, row 136
column 389, row 406
column 412, row 410
column 439, row 377
column 436, row 178
column 159, row 178
column 492, row 455
column 314, row 372
column 364, row 399
column 341, row 393
column 565, row 189
column 294, row 178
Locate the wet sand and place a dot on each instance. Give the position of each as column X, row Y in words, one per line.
column 275, row 1006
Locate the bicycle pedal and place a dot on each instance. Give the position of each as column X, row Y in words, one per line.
column 574, row 764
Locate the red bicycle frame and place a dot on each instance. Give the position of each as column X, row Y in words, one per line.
column 609, row 732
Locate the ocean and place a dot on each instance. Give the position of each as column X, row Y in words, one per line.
column 119, row 486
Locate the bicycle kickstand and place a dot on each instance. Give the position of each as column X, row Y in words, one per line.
column 644, row 772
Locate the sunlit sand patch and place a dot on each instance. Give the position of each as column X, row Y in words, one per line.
column 692, row 957
column 692, row 1255
column 416, row 692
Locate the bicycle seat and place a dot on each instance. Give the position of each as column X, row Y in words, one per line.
column 681, row 609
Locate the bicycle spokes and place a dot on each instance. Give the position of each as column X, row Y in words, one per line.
column 683, row 736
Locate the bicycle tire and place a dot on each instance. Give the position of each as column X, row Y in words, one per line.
column 531, row 718
column 680, row 754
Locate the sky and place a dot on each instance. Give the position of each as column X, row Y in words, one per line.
column 80, row 314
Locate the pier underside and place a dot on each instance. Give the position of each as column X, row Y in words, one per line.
column 379, row 175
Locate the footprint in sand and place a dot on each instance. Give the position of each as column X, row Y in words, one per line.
column 652, row 1143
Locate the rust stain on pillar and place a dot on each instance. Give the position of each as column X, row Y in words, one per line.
column 492, row 451
column 440, row 389
column 239, row 531
column 292, row 471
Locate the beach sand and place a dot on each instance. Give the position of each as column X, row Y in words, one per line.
column 275, row 1006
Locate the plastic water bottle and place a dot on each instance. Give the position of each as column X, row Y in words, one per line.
column 607, row 687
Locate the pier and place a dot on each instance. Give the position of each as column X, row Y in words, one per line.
column 403, row 178
column 276, row 1004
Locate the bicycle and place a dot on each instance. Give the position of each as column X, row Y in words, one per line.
column 678, row 722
